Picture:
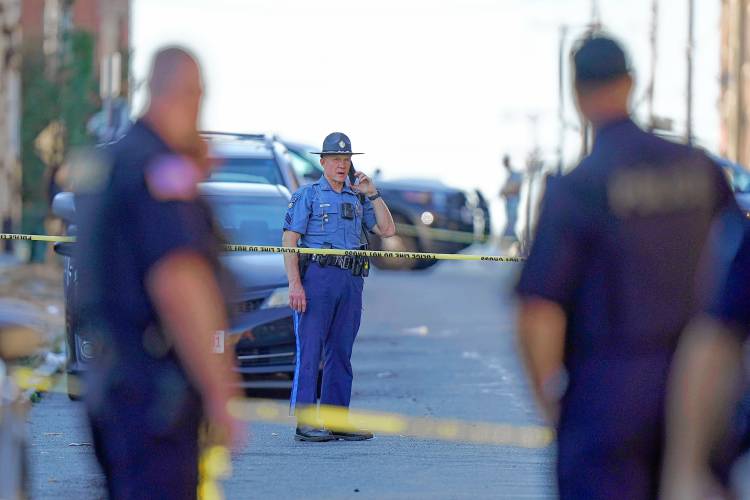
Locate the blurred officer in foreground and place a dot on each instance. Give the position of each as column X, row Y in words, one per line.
column 704, row 435
column 608, row 286
column 150, row 291
column 326, row 291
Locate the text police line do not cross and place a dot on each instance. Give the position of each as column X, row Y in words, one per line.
column 318, row 251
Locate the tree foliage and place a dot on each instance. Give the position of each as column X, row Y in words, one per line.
column 69, row 97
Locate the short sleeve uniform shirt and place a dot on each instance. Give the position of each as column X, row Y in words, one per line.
column 143, row 211
column 618, row 246
column 323, row 216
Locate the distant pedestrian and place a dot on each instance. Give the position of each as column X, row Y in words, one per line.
column 511, row 192
column 150, row 293
column 609, row 285
column 326, row 291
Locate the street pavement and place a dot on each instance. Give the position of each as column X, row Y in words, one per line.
column 437, row 343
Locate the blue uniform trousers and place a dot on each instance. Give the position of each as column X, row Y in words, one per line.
column 327, row 330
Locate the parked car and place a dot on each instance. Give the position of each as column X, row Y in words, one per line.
column 430, row 216
column 739, row 178
column 262, row 327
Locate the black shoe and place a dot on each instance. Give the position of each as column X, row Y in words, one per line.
column 310, row 433
column 352, row 436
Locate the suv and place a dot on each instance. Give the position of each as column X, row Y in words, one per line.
column 253, row 158
column 430, row 216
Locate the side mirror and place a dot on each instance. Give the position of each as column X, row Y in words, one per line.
column 63, row 206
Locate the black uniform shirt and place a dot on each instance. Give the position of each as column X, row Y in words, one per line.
column 145, row 210
column 618, row 246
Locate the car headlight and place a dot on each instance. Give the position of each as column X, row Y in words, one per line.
column 279, row 298
column 427, row 218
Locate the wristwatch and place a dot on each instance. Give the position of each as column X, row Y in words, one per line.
column 375, row 196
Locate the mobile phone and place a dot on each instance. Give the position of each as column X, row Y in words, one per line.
column 352, row 177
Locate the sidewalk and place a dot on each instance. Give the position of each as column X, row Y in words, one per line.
column 8, row 260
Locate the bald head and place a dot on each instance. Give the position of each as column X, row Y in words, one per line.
column 169, row 68
column 176, row 90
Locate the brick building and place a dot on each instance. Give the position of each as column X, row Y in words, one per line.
column 109, row 20
column 10, row 142
column 735, row 81
column 39, row 27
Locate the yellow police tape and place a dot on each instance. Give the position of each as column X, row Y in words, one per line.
column 319, row 251
column 215, row 464
column 37, row 237
column 215, row 461
column 404, row 229
column 337, row 418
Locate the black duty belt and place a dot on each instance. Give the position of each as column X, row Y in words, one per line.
column 341, row 261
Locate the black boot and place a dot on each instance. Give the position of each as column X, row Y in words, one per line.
column 310, row 433
column 352, row 436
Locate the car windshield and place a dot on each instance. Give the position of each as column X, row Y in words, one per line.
column 250, row 220
column 305, row 164
column 252, row 170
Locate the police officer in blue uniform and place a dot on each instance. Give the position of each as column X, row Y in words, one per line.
column 326, row 291
column 609, row 285
column 708, row 424
column 150, row 294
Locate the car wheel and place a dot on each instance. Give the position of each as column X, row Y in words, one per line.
column 425, row 263
column 398, row 243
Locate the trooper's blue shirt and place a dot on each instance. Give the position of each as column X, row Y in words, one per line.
column 317, row 212
column 618, row 246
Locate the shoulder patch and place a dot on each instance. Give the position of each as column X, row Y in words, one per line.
column 173, row 178
column 295, row 197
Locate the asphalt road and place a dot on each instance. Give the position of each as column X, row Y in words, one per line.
column 433, row 344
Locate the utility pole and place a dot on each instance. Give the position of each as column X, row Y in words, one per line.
column 533, row 167
column 561, row 100
column 654, row 41
column 110, row 122
column 739, row 132
column 690, row 49
column 109, row 73
column 596, row 17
